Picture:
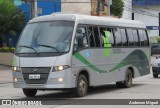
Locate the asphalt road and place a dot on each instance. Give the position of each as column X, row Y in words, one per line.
column 145, row 87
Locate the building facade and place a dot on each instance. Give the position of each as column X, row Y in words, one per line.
column 76, row 6
column 148, row 11
column 90, row 7
column 44, row 7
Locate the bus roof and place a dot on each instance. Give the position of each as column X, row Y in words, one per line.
column 91, row 20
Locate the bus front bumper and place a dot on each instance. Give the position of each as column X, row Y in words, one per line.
column 56, row 80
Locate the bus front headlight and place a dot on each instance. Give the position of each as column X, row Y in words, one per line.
column 60, row 68
column 16, row 69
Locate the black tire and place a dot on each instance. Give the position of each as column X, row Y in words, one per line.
column 155, row 75
column 128, row 79
column 30, row 92
column 82, row 86
column 127, row 83
column 120, row 84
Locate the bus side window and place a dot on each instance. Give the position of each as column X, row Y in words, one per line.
column 106, row 37
column 141, row 37
column 124, row 37
column 130, row 37
column 91, row 37
column 136, row 38
column 80, row 38
column 111, row 39
column 118, row 37
column 146, row 41
column 96, row 36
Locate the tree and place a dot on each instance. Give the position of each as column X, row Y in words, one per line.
column 12, row 20
column 117, row 8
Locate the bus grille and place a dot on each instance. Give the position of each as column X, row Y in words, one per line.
column 42, row 71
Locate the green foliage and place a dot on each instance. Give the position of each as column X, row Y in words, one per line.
column 12, row 19
column 6, row 49
column 158, row 39
column 117, row 8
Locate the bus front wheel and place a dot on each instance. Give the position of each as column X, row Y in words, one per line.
column 82, row 86
column 30, row 92
column 127, row 83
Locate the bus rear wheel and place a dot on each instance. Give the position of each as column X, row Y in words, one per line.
column 127, row 83
column 30, row 92
column 82, row 86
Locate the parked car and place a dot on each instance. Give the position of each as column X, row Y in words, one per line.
column 155, row 49
column 156, row 67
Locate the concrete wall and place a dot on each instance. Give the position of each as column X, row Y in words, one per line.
column 83, row 8
column 148, row 20
column 6, row 58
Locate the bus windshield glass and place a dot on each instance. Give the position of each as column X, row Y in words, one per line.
column 46, row 37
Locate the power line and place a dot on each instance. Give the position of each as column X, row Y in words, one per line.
column 141, row 11
column 144, row 8
column 151, row 9
column 127, row 1
column 136, row 12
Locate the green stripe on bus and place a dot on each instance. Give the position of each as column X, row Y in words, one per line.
column 137, row 58
column 86, row 62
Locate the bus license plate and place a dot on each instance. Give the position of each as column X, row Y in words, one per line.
column 34, row 76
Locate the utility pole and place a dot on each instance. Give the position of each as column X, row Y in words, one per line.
column 33, row 9
column 109, row 3
column 159, row 24
column 98, row 7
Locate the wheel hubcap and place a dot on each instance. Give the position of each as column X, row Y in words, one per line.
column 82, row 86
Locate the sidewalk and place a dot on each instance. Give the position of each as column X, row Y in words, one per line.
column 5, row 74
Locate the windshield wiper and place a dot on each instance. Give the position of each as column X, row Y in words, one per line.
column 27, row 47
column 49, row 47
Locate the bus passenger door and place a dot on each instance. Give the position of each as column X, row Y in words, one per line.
column 82, row 56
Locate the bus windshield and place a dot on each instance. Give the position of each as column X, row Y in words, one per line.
column 46, row 37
